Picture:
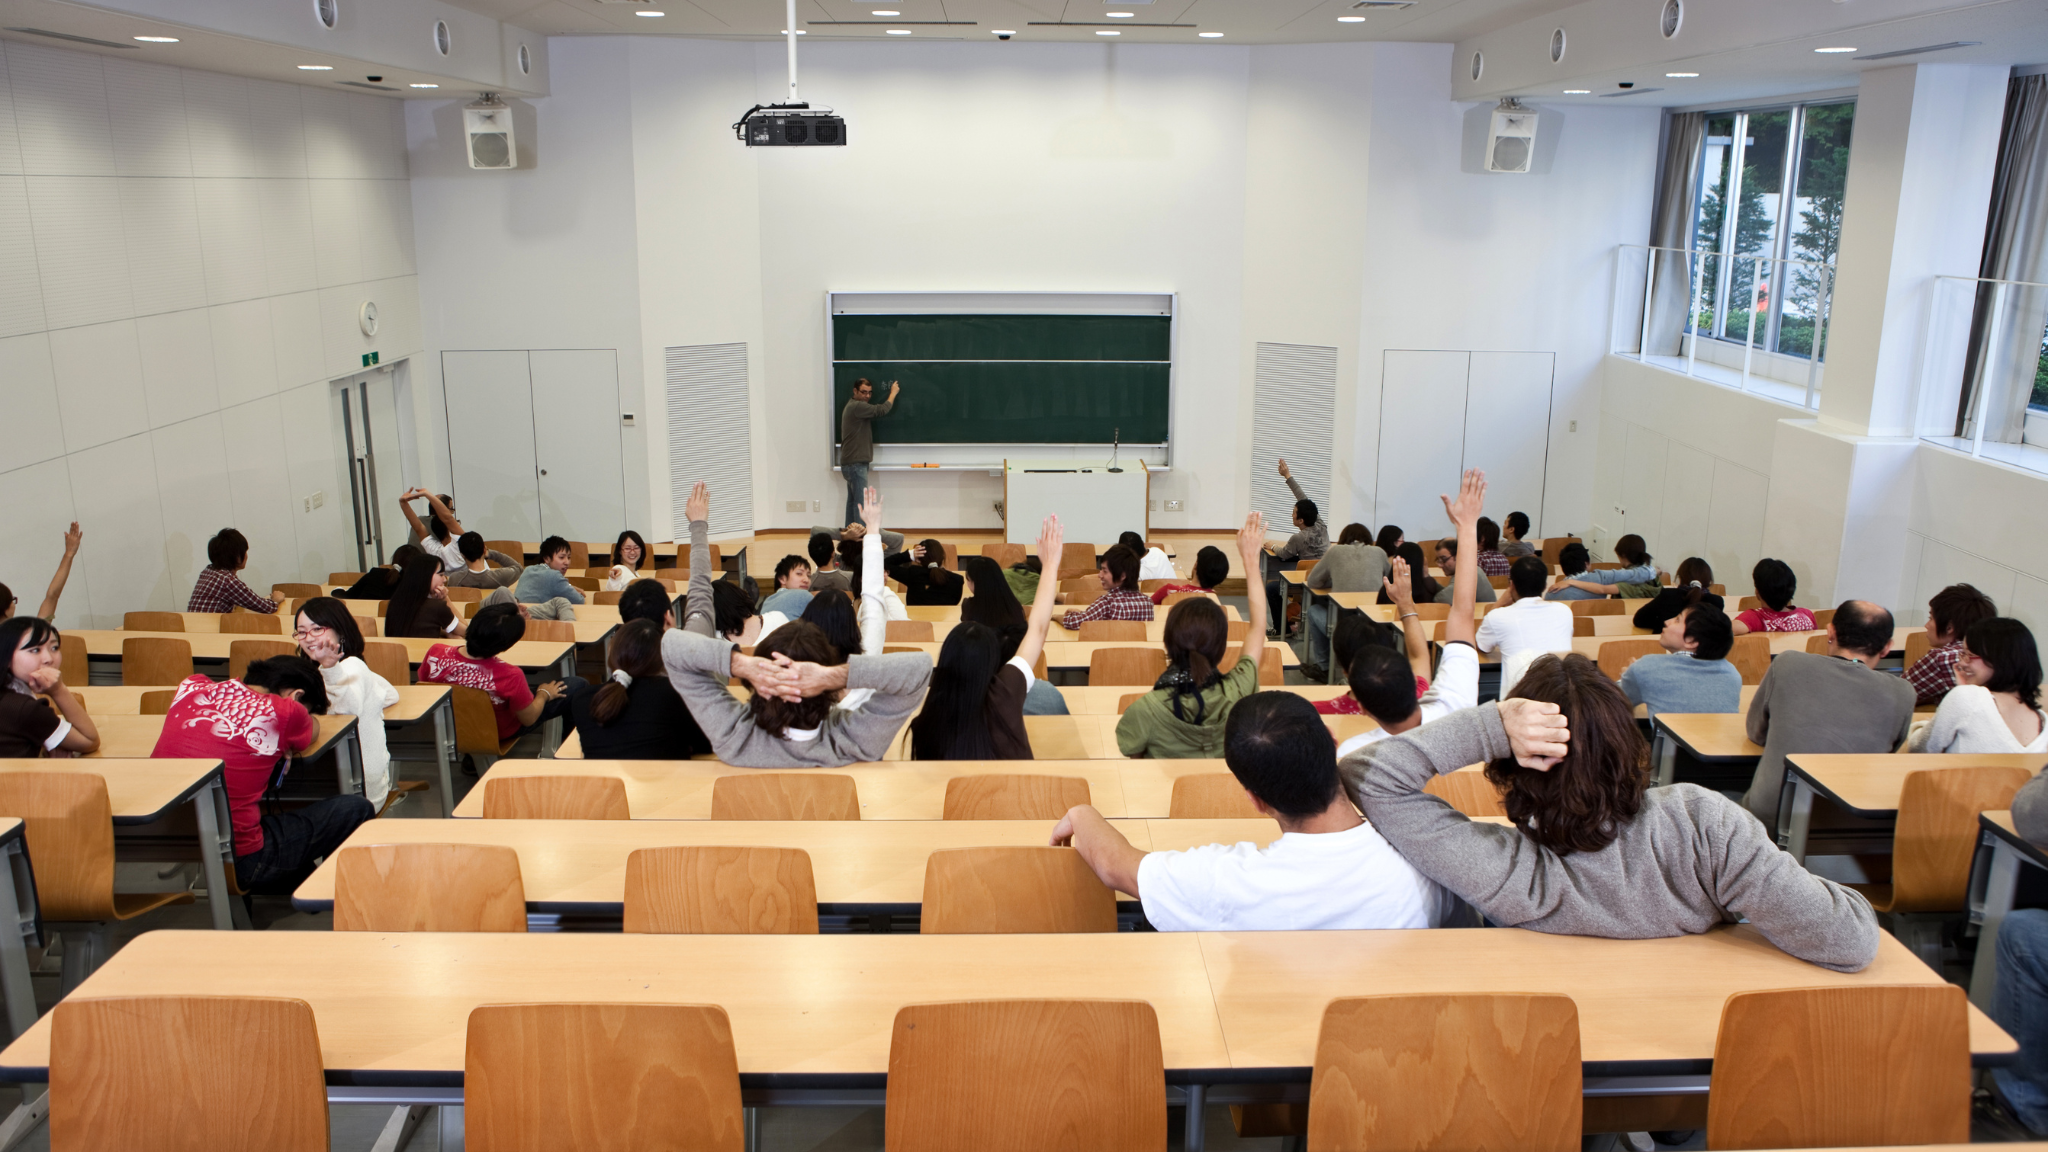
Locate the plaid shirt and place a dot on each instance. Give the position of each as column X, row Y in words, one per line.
column 1934, row 674
column 219, row 590
column 1118, row 604
column 1493, row 563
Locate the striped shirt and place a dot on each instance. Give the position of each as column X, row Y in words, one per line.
column 219, row 590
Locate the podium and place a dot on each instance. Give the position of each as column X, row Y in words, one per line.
column 1094, row 505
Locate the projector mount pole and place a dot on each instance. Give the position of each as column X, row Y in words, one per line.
column 789, row 31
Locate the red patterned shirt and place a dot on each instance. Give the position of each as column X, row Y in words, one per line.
column 248, row 731
column 1790, row 620
column 1934, row 674
column 220, row 590
column 504, row 684
column 1117, row 604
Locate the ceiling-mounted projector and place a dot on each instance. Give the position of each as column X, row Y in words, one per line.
column 789, row 126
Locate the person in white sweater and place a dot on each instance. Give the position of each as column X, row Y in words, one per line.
column 1996, row 703
column 326, row 632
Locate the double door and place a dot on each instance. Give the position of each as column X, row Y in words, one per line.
column 370, row 444
column 1445, row 411
column 534, row 442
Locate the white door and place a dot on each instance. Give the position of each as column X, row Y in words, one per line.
column 376, row 474
column 1422, row 439
column 1507, row 430
column 489, row 397
column 577, row 445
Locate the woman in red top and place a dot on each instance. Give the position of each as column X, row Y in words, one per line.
column 1775, row 585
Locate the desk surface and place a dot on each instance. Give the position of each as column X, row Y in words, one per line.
column 214, row 645
column 140, row 791
column 950, row 613
column 1076, row 654
column 580, row 865
column 2000, row 825
column 904, row 790
column 592, row 625
column 415, row 701
column 1102, row 699
column 134, row 737
column 1711, row 736
column 395, row 1007
column 1870, row 783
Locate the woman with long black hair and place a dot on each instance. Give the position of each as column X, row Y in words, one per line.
column 975, row 709
column 419, row 603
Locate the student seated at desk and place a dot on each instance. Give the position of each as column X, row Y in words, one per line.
column 437, row 534
column 379, row 583
column 1512, row 544
column 1572, row 561
column 1598, row 585
column 1120, row 599
column 1153, row 563
column 826, row 575
column 1212, row 567
column 481, row 567
column 419, row 603
column 1996, row 703
column 1182, row 717
column 544, row 589
column 1447, row 559
column 1492, row 561
column 856, row 553
column 792, row 587
column 2020, row 1004
column 519, row 706
column 1390, row 539
column 975, row 710
column 1353, row 564
column 218, row 590
column 253, row 725
column 647, row 600
column 1525, row 625
column 1310, row 540
column 1592, row 849
column 1328, row 869
column 1775, row 586
column 1422, row 587
column 1694, row 675
column 629, row 556
column 1839, row 702
column 923, row 573
column 328, row 635
column 1695, row 576
column 1951, row 614
column 635, row 714
column 992, row 603
column 48, row 610
column 38, row 715
column 1355, row 633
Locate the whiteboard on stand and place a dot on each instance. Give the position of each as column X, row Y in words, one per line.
column 1094, row 504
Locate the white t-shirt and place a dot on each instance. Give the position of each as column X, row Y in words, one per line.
column 1521, row 632
column 1456, row 687
column 448, row 554
column 1349, row 879
column 1154, row 565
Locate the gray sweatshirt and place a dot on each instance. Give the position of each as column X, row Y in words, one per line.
column 857, row 433
column 2030, row 809
column 700, row 666
column 1690, row 859
column 1307, row 543
column 1814, row 703
column 505, row 575
column 1349, row 568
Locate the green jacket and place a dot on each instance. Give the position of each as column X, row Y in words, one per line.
column 1150, row 728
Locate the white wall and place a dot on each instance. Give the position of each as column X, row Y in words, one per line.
column 1977, row 521
column 182, row 255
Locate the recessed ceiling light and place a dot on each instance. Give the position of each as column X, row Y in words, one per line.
column 650, row 13
column 1834, row 50
column 899, row 31
column 1350, row 19
column 1107, row 32
column 158, row 39
column 1003, row 31
column 1578, row 91
column 1210, row 35
column 1120, row 15
column 316, row 67
column 1681, row 75
column 423, row 85
column 885, row 12
column 785, row 32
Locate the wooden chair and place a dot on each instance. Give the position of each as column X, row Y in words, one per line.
column 1086, row 592
column 784, row 796
column 1124, row 702
column 428, row 888
column 299, row 591
column 1013, row 889
column 476, row 727
column 1936, row 836
column 1607, row 607
column 1499, row 583
column 1139, row 667
column 1026, row 1075
column 383, row 608
column 1748, row 602
column 76, row 671
column 1469, row 792
column 157, row 703
column 606, row 597
column 551, row 631
column 150, row 1072
column 579, row 554
column 556, row 798
column 152, row 622
column 1605, row 566
column 69, row 823
column 1075, row 585
column 1751, row 656
column 1448, row 1071
column 390, row 660
column 1210, row 796
column 1617, row 655
column 1433, row 611
column 676, row 574
column 584, row 583
column 1582, row 626
column 910, row 632
column 1013, row 796
column 1150, row 586
column 614, row 1076
column 1112, row 631
column 1077, row 560
column 464, row 595
column 1555, row 545
column 1305, row 565
column 251, row 624
column 1818, row 645
column 1173, row 598
column 1878, row 1064
column 701, row 888
column 369, row 626
column 1005, row 555
column 1917, row 645
column 1271, row 673
column 345, row 578
column 888, row 650
column 1823, row 617
column 152, row 660
column 242, row 653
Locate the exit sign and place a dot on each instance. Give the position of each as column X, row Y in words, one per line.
column 369, row 358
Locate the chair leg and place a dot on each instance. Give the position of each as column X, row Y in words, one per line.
column 84, row 950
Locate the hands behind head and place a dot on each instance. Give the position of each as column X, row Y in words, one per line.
column 1471, row 499
column 698, row 507
column 1538, row 733
column 780, row 678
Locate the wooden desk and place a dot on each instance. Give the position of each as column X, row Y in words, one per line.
column 903, row 790
column 21, row 924
column 860, row 867
column 1867, row 784
column 1709, row 737
column 2002, row 855
column 142, row 792
column 1101, row 699
column 594, row 623
column 546, row 655
column 135, row 737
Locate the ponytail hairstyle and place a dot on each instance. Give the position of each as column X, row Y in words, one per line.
column 1196, row 634
column 635, row 654
column 1631, row 550
column 935, row 564
column 953, row 724
column 1694, row 576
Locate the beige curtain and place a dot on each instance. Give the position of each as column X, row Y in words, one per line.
column 2005, row 334
column 1671, row 226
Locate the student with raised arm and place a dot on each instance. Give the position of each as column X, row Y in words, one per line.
column 714, row 608
column 1384, row 682
column 975, row 710
column 1310, row 540
column 48, row 611
column 439, row 532
column 1182, row 717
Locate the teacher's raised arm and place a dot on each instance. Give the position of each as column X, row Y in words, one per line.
column 857, row 441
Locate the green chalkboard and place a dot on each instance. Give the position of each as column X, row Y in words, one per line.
column 1009, row 379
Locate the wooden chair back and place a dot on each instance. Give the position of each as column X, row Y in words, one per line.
column 476, row 723
column 152, row 622
column 1072, row 585
column 1582, row 626
column 369, row 626
column 1271, row 674
column 579, row 554
column 1499, row 583
column 1936, row 834
column 242, row 653
column 1433, row 611
column 76, row 671
column 148, row 1072
column 1617, row 655
column 1469, row 792
column 1448, row 1071
column 910, row 632
column 154, row 660
column 1822, row 617
column 1554, row 546
column 1150, row 586
column 584, row 583
column 1605, row 566
column 251, row 624
column 69, row 823
column 1875, row 1064
column 1210, row 796
column 1748, row 602
column 551, row 631
column 701, row 888
column 1124, row 702
column 1077, row 560
column 887, row 650
column 784, row 796
column 345, row 578
column 1607, row 607
column 1305, row 565
column 464, row 595
column 1138, row 667
column 299, row 591
column 1026, row 1075
column 678, row 574
column 1917, row 645
column 383, row 608
column 389, row 660
column 1817, row 645
column 615, row 1076
column 1751, row 656
column 1173, row 598
column 516, row 549
column 556, row 798
column 428, row 888
column 1013, row 796
column 1014, row 889
column 1112, row 631
column 157, row 703
column 1005, row 555
column 606, row 597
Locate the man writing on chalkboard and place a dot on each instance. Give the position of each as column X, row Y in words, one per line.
column 857, row 440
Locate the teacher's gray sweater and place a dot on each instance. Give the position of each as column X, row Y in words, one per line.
column 700, row 666
column 1690, row 859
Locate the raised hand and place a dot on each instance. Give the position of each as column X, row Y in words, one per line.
column 871, row 510
column 1284, row 473
column 1471, row 499
column 698, row 507
column 1251, row 540
column 1399, row 584
column 1051, row 539
column 72, row 539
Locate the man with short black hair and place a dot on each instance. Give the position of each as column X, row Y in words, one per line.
column 1950, row 615
column 1120, row 599
column 1447, row 559
column 1839, row 702
column 1525, row 625
column 792, row 587
column 1329, row 869
column 1694, row 674
column 477, row 561
column 218, row 589
column 1212, row 567
column 476, row 665
column 647, row 599
column 544, row 588
column 1310, row 540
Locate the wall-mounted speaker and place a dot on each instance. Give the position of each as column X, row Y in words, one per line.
column 487, row 131
column 1511, row 145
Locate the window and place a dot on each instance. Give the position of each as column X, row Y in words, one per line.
column 1783, row 169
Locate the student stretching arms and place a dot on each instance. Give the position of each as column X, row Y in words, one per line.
column 9, row 602
column 438, row 533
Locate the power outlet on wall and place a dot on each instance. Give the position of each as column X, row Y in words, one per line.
column 1173, row 505
column 792, row 506
column 817, row 506
column 315, row 500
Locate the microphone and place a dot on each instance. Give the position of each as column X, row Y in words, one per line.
column 1116, row 448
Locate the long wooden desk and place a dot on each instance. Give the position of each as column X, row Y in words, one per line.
column 1102, row 699
column 105, row 645
column 592, row 626
column 903, row 790
column 2002, row 856
column 1867, row 784
column 135, row 737
column 950, row 613
column 1718, row 738
column 1074, row 655
column 859, row 866
column 143, row 792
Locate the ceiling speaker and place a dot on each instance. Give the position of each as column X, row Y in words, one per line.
column 487, row 129
column 1511, row 144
